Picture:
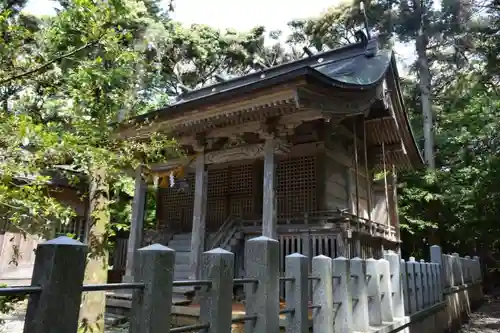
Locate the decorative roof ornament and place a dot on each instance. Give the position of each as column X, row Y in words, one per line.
column 365, row 18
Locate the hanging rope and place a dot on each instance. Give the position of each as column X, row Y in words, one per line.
column 166, row 178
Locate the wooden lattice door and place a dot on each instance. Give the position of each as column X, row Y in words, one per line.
column 177, row 207
column 296, row 185
column 216, row 198
column 241, row 189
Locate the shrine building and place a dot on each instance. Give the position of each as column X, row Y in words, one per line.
column 307, row 153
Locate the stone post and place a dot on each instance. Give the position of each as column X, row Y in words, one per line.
column 386, row 290
column 396, row 278
column 341, row 295
column 437, row 283
column 458, row 267
column 425, row 284
column 199, row 214
column 137, row 224
column 297, row 267
column 477, row 269
column 262, row 299
column 216, row 300
column 467, row 269
column 437, row 257
column 449, row 271
column 430, row 284
column 59, row 270
column 405, row 290
column 359, row 293
column 374, row 295
column 440, row 288
column 269, row 217
column 151, row 307
column 323, row 315
column 412, row 285
column 418, row 284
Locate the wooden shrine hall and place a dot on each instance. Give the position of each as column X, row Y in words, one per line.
column 306, row 153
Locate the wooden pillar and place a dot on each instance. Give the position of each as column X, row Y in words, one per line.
column 386, row 186
column 137, row 224
column 356, row 167
column 269, row 216
column 199, row 216
column 368, row 175
column 395, row 212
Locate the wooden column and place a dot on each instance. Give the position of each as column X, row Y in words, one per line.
column 394, row 184
column 269, row 216
column 199, row 216
column 356, row 167
column 386, row 188
column 369, row 178
column 136, row 225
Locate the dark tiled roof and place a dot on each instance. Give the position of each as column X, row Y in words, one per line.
column 355, row 66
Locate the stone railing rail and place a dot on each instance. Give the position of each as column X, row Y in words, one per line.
column 348, row 295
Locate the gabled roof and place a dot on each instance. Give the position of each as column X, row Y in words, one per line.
column 360, row 66
column 357, row 66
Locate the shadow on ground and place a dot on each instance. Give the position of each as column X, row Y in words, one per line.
column 486, row 319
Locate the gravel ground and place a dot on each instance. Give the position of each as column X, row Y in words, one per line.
column 486, row 319
column 14, row 322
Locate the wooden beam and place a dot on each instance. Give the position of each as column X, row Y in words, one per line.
column 338, row 104
column 248, row 104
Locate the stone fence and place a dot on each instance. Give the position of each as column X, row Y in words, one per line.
column 356, row 295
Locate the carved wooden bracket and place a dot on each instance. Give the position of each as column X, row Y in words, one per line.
column 243, row 153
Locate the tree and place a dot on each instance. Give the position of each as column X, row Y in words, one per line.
column 66, row 79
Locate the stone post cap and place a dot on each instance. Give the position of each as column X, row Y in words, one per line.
column 63, row 240
column 156, row 247
column 218, row 250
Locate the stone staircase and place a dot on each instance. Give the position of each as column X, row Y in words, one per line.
column 181, row 243
column 118, row 303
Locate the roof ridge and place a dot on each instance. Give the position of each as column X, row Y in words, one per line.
column 311, row 61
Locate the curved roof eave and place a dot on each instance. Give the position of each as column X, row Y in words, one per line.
column 405, row 113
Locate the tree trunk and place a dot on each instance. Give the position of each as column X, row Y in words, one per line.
column 421, row 44
column 96, row 272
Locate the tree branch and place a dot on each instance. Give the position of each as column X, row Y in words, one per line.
column 50, row 62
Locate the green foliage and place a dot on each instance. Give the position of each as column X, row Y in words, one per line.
column 7, row 303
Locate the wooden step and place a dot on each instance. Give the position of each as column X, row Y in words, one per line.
column 184, row 236
column 181, row 276
column 183, row 290
column 182, row 258
column 180, row 246
column 111, row 319
column 182, row 268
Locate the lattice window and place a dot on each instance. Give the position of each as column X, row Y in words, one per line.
column 217, row 183
column 216, row 213
column 296, row 185
column 241, row 180
column 178, row 205
column 242, row 207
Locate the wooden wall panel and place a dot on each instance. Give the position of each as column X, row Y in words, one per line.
column 379, row 211
column 336, row 191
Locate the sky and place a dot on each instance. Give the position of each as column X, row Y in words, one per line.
column 243, row 15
